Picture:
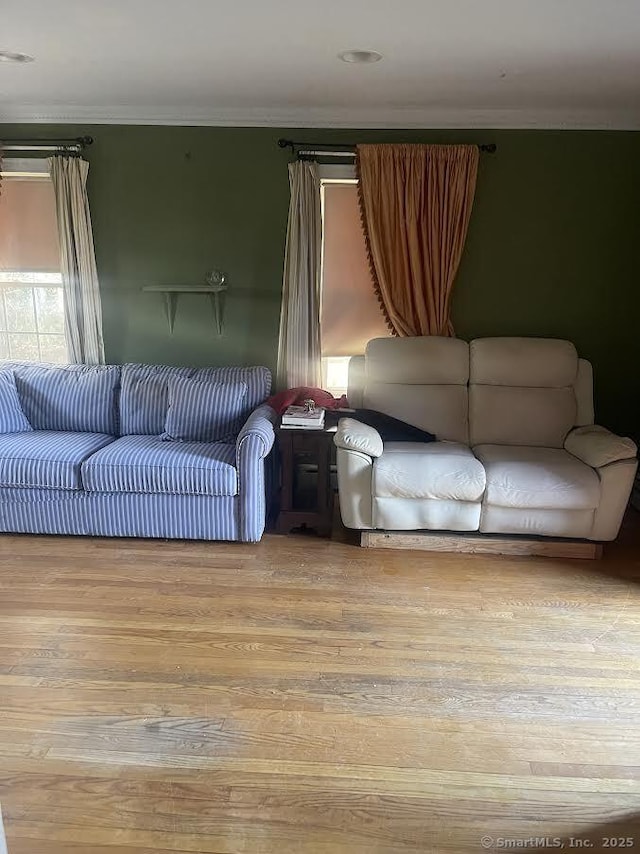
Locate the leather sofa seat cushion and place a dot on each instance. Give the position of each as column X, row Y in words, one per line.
column 146, row 464
column 441, row 470
column 538, row 478
column 47, row 459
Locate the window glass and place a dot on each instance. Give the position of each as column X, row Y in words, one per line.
column 31, row 292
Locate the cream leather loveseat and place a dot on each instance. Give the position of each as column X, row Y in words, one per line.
column 517, row 449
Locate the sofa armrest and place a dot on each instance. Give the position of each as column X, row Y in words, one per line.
column 253, row 445
column 259, row 428
column 597, row 447
column 353, row 435
column 358, row 445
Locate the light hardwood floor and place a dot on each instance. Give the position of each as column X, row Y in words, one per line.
column 303, row 696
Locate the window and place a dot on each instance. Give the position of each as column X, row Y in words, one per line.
column 335, row 374
column 350, row 313
column 31, row 292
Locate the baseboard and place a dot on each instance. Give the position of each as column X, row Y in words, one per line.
column 478, row 544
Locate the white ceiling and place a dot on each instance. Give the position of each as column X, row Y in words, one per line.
column 447, row 63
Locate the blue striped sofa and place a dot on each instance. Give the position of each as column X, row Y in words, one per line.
column 96, row 464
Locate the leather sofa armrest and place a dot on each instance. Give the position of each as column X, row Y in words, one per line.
column 353, row 435
column 597, row 447
column 259, row 426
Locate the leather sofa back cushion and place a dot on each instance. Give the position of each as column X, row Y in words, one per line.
column 426, row 360
column 525, row 362
column 539, row 417
column 521, row 391
column 74, row 398
column 439, row 409
column 144, row 399
column 422, row 381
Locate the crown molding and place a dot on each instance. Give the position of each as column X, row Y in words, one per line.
column 326, row 117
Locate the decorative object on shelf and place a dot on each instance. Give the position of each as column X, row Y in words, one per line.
column 216, row 278
column 214, row 287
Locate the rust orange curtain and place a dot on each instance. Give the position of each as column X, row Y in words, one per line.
column 415, row 202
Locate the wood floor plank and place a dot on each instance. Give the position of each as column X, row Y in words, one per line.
column 304, row 696
column 25, row 845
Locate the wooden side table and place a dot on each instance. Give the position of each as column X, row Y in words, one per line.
column 310, row 508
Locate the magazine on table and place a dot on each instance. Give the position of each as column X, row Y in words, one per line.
column 300, row 417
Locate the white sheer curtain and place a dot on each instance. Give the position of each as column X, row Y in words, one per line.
column 83, row 310
column 299, row 342
column 3, row 841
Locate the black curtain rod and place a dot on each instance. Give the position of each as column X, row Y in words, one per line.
column 77, row 143
column 349, row 148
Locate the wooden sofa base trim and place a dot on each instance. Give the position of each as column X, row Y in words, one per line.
column 475, row 544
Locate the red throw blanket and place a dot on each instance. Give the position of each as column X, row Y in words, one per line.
column 297, row 396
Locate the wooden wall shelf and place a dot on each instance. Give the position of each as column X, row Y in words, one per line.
column 172, row 292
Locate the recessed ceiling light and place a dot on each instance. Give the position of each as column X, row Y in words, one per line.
column 360, row 56
column 11, row 56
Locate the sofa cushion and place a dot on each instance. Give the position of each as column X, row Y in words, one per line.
column 204, row 411
column 523, row 362
column 501, row 415
column 421, row 380
column 12, row 418
column 441, row 410
column 442, row 470
column 75, row 398
column 146, row 464
column 47, row 459
column 539, row 478
column 522, row 391
column 144, row 398
column 418, row 360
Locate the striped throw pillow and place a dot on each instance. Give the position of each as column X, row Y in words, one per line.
column 204, row 411
column 12, row 418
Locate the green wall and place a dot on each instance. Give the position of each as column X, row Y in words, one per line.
column 552, row 248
